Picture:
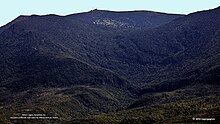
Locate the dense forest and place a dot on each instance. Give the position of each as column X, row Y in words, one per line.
column 111, row 67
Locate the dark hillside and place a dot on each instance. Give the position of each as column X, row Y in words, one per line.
column 111, row 67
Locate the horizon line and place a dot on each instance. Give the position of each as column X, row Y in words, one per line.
column 107, row 10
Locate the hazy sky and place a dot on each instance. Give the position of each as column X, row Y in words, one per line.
column 10, row 9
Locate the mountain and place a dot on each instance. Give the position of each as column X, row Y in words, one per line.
column 186, row 85
column 111, row 67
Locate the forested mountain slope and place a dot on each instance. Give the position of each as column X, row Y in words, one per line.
column 127, row 63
